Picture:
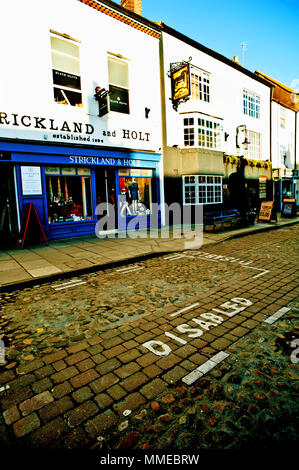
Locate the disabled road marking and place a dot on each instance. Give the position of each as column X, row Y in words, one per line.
column 68, row 285
column 129, row 270
column 273, row 318
column 216, row 258
column 184, row 309
column 194, row 375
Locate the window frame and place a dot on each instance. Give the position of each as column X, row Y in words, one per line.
column 200, row 84
column 203, row 189
column 84, row 173
column 204, row 131
column 117, row 86
column 251, row 104
column 254, row 150
column 60, row 87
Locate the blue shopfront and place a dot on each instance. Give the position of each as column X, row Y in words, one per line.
column 74, row 189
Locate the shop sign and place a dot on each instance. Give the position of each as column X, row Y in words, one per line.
column 104, row 161
column 286, row 173
column 69, row 131
column 275, row 174
column 262, row 187
column 31, row 180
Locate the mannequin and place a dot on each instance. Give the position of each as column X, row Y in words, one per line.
column 134, row 194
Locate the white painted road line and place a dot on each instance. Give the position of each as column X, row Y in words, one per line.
column 128, row 270
column 265, row 271
column 184, row 309
column 277, row 315
column 204, row 368
column 69, row 286
column 65, row 283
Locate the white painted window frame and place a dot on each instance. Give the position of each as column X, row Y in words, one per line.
column 251, row 104
column 207, row 184
column 206, row 126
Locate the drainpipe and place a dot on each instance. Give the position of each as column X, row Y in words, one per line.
column 270, row 156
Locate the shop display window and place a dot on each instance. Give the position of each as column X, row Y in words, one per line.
column 68, row 197
column 135, row 194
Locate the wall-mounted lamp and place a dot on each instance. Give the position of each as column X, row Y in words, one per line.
column 147, row 111
column 246, row 142
column 226, row 134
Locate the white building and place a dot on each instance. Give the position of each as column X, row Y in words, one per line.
column 65, row 143
column 284, row 140
column 220, row 105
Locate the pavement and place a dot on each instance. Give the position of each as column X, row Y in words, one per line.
column 24, row 267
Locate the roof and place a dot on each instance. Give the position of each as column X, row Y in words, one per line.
column 124, row 15
column 282, row 94
column 167, row 29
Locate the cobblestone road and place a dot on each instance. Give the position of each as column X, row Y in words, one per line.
column 172, row 352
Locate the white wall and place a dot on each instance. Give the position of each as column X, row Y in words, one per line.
column 26, row 86
column 226, row 97
column 283, row 136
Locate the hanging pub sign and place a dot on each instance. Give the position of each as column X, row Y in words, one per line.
column 289, row 208
column 180, row 82
column 267, row 212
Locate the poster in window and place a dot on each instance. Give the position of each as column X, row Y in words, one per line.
column 119, row 99
column 68, row 170
column 52, row 170
column 66, row 79
column 31, row 180
column 180, row 80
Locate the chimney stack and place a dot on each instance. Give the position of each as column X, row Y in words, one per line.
column 133, row 5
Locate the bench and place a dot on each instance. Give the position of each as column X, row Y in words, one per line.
column 220, row 217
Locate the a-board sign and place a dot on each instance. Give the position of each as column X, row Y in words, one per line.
column 267, row 212
column 31, row 230
column 289, row 208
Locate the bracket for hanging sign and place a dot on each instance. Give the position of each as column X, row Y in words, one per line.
column 101, row 95
column 179, row 74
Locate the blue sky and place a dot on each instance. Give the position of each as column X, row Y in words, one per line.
column 270, row 28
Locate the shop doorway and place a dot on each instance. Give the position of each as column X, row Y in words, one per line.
column 8, row 212
column 106, row 199
column 237, row 191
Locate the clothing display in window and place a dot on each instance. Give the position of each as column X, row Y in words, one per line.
column 134, row 195
column 69, row 198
